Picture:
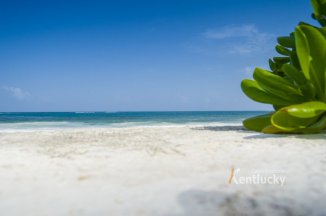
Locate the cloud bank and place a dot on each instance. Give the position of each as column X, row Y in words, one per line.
column 17, row 93
column 243, row 39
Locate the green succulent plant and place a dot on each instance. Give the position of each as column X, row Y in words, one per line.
column 296, row 82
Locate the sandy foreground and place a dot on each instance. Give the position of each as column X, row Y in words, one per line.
column 172, row 171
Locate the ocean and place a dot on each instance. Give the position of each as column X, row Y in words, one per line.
column 48, row 120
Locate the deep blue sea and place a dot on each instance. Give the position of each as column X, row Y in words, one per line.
column 39, row 120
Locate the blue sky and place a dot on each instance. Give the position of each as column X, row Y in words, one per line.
column 137, row 55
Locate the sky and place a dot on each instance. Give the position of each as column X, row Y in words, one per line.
column 158, row 55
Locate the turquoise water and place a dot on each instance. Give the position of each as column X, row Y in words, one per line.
column 119, row 119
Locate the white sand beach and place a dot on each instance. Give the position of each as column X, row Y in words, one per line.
column 159, row 170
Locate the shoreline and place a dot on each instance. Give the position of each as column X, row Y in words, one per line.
column 159, row 171
column 117, row 126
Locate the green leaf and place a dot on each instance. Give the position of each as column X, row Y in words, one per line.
column 325, row 83
column 257, row 123
column 281, row 60
column 313, row 128
column 319, row 7
column 286, row 42
column 294, row 74
column 298, row 117
column 270, row 129
column 283, row 121
column 298, row 77
column 272, row 64
column 323, row 31
column 303, row 51
column 278, row 86
column 316, row 8
column 294, row 60
column 256, row 93
column 317, row 127
column 306, row 110
column 317, row 84
column 316, row 48
column 282, row 50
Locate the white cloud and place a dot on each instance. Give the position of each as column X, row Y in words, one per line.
column 248, row 38
column 232, row 31
column 17, row 93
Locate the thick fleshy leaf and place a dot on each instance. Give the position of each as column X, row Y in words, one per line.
column 317, row 127
column 286, row 41
column 316, row 43
column 266, row 78
column 306, row 110
column 294, row 74
column 295, row 60
column 309, row 91
column 316, row 7
column 298, row 117
column 317, row 48
column 270, row 129
column 281, row 60
column 256, row 93
column 282, row 120
column 317, row 83
column 319, row 7
column 325, row 83
column 298, row 77
column 323, row 31
column 302, row 51
column 257, row 123
column 272, row 64
column 282, row 50
column 278, row 85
